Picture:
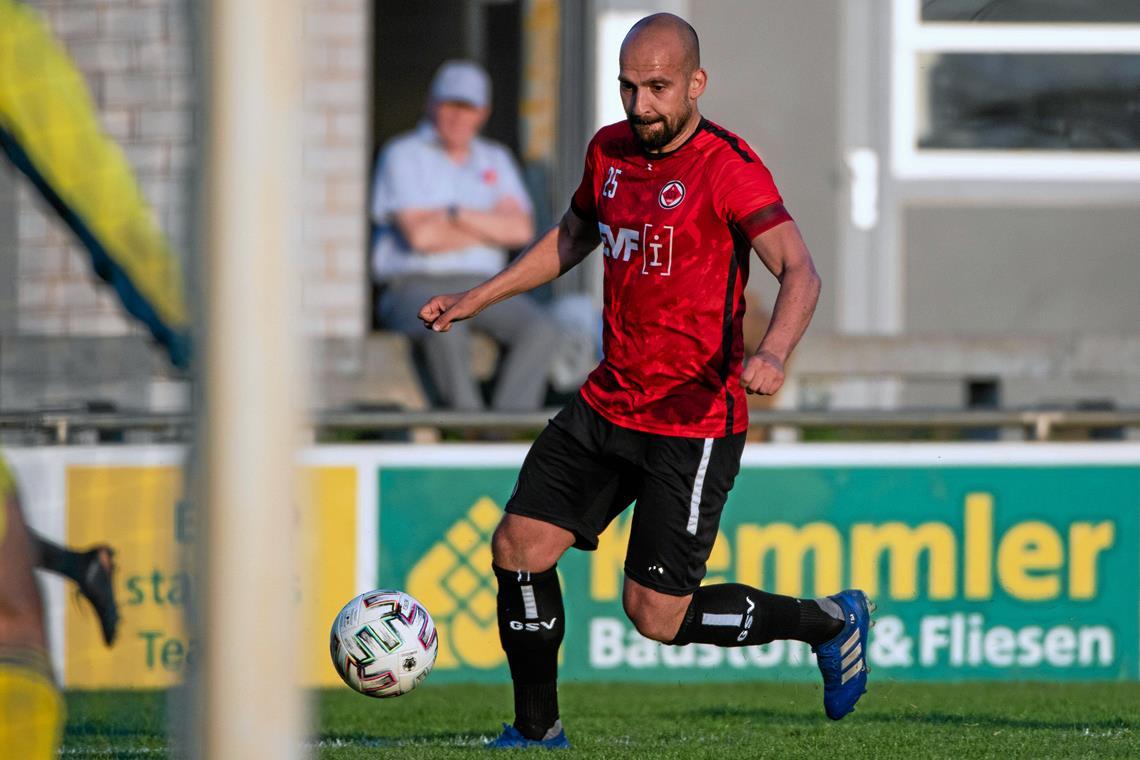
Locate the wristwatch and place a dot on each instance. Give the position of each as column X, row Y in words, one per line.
column 453, row 213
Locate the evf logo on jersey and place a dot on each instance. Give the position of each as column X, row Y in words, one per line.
column 655, row 242
column 671, row 194
column 620, row 244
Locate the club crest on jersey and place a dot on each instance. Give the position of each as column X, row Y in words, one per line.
column 671, row 195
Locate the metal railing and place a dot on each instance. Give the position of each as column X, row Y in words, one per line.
column 1038, row 424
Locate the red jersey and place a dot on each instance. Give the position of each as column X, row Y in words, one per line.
column 676, row 231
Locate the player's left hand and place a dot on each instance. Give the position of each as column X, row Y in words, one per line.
column 763, row 373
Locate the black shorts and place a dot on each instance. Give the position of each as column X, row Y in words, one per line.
column 583, row 471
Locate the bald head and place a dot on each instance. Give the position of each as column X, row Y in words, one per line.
column 668, row 36
column 661, row 79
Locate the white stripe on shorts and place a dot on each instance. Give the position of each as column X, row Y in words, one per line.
column 528, row 602
column 698, row 487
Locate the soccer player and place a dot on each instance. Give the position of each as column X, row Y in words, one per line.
column 49, row 129
column 677, row 203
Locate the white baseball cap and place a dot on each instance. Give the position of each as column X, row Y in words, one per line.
column 462, row 81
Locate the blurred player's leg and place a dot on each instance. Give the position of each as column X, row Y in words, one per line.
column 92, row 570
column 29, row 701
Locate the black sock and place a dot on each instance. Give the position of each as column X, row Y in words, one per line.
column 735, row 615
column 59, row 559
column 530, row 629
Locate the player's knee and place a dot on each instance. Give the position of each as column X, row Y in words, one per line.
column 523, row 543
column 653, row 626
column 652, row 622
column 511, row 549
column 503, row 546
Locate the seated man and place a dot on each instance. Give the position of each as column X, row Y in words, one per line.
column 447, row 204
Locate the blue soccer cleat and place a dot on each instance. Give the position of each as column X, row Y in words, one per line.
column 511, row 738
column 843, row 659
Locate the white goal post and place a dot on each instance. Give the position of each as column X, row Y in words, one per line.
column 248, row 702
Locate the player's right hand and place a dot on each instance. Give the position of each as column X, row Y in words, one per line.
column 763, row 373
column 440, row 311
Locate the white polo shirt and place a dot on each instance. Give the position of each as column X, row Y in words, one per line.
column 414, row 172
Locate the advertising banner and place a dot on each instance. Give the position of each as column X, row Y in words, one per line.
column 1027, row 569
column 139, row 509
column 988, row 561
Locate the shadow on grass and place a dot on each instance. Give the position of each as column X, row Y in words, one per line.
column 790, row 717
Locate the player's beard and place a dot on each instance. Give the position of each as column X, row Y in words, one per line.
column 654, row 134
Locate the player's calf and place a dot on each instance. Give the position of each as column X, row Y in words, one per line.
column 531, row 626
column 735, row 615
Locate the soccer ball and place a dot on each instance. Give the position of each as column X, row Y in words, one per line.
column 383, row 643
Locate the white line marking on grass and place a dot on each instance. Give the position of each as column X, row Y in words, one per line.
column 1107, row 734
column 117, row 752
column 379, row 743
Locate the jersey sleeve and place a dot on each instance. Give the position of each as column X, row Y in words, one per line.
column 584, row 202
column 747, row 197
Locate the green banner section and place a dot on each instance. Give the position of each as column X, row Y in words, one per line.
column 980, row 572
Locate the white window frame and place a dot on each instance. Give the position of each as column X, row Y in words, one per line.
column 911, row 37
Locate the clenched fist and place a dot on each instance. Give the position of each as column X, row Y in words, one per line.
column 763, row 373
column 440, row 311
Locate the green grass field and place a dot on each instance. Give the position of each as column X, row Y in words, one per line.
column 1031, row 720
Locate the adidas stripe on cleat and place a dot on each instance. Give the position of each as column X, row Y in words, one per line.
column 843, row 659
column 512, row 738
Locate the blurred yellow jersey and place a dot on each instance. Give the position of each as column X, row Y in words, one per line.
column 31, row 705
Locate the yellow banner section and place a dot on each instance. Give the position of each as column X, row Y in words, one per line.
column 140, row 511
column 327, row 536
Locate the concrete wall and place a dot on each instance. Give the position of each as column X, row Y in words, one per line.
column 1019, row 270
column 773, row 80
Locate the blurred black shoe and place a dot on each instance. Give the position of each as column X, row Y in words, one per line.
column 97, row 586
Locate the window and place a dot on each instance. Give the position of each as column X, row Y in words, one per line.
column 1030, row 101
column 1016, row 89
column 1032, row 11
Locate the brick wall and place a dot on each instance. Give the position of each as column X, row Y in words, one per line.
column 336, row 167
column 137, row 58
